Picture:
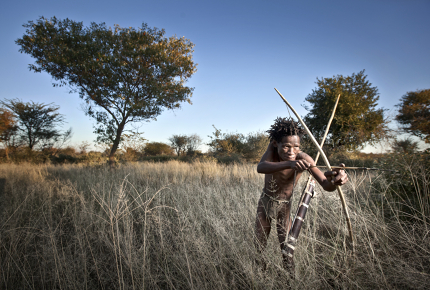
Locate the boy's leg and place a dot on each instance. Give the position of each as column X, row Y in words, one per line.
column 283, row 224
column 262, row 230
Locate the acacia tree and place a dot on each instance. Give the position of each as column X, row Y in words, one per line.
column 179, row 143
column 123, row 74
column 414, row 113
column 404, row 145
column 193, row 143
column 185, row 144
column 36, row 123
column 357, row 120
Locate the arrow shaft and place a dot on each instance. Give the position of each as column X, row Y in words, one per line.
column 354, row 168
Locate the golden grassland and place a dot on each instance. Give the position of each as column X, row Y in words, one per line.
column 178, row 225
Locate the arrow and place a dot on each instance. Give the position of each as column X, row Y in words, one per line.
column 355, row 168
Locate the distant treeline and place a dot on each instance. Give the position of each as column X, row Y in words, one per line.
column 223, row 148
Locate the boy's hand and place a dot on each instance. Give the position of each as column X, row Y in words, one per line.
column 337, row 176
column 300, row 165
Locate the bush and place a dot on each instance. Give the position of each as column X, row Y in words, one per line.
column 157, row 148
column 159, row 158
column 409, row 187
column 236, row 147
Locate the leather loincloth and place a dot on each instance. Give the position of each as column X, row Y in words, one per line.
column 271, row 205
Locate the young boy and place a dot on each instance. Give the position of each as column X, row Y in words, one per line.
column 283, row 164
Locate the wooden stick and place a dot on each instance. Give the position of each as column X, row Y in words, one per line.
column 328, row 127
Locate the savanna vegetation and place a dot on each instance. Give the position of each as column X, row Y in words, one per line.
column 177, row 225
column 189, row 225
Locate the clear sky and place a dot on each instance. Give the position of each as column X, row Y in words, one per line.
column 243, row 49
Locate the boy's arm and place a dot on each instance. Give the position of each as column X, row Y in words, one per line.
column 268, row 165
column 329, row 179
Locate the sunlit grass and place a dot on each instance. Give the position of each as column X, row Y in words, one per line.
column 180, row 225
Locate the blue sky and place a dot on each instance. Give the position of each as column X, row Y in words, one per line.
column 243, row 49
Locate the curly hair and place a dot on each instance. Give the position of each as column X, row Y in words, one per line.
column 284, row 127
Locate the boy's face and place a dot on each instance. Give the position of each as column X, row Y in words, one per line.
column 288, row 148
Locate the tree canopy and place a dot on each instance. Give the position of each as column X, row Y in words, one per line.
column 193, row 143
column 37, row 123
column 7, row 124
column 357, row 120
column 185, row 144
column 414, row 113
column 178, row 143
column 406, row 145
column 123, row 74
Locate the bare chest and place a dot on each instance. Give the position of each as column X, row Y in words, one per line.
column 281, row 183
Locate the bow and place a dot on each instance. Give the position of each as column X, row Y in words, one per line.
column 324, row 157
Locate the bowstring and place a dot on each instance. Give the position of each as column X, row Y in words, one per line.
column 295, row 172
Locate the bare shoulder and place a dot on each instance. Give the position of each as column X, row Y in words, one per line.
column 270, row 154
column 304, row 156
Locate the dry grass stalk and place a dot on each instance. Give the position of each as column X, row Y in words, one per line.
column 190, row 225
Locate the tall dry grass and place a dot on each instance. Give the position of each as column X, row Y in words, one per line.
column 190, row 226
